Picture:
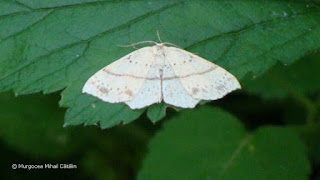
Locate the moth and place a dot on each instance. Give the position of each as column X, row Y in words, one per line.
column 160, row 73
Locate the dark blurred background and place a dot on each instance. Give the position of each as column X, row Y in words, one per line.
column 32, row 132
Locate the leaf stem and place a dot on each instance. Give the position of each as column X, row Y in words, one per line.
column 307, row 103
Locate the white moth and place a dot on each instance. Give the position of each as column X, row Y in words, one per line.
column 152, row 74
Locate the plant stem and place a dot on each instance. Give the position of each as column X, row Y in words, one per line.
column 310, row 106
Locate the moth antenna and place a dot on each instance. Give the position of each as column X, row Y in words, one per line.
column 133, row 45
column 159, row 36
column 172, row 45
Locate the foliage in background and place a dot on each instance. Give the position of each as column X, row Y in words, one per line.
column 33, row 117
column 218, row 147
column 274, row 129
column 53, row 45
column 32, row 126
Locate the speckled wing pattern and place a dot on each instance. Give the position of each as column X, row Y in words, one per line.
column 118, row 82
column 152, row 74
column 202, row 79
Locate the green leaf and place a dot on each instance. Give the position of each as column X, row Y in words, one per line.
column 157, row 112
column 301, row 77
column 311, row 137
column 53, row 45
column 208, row 143
column 33, row 125
column 96, row 166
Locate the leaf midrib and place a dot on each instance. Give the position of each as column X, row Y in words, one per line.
column 249, row 27
column 235, row 153
column 30, row 9
column 89, row 40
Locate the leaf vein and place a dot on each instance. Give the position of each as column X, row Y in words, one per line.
column 244, row 142
column 278, row 46
column 236, row 32
column 28, row 27
column 95, row 37
column 83, row 109
column 23, row 5
column 75, row 4
column 64, row 67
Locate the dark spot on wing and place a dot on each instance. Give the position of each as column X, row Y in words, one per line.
column 195, row 90
column 104, row 90
column 220, row 87
column 204, row 90
column 129, row 92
